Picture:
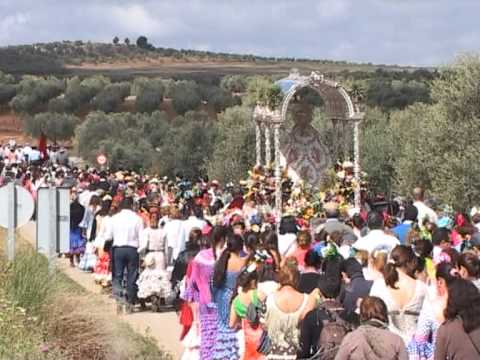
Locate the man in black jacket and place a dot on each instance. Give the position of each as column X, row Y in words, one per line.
column 355, row 287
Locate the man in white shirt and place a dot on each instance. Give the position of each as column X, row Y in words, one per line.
column 174, row 230
column 26, row 153
column 376, row 239
column 194, row 221
column 34, row 155
column 424, row 211
column 52, row 155
column 85, row 197
column 124, row 229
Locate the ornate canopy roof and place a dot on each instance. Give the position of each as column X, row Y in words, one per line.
column 338, row 104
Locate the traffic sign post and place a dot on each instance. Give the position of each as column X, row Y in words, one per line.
column 16, row 209
column 12, row 222
column 53, row 222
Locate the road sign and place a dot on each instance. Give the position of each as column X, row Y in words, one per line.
column 101, row 159
column 23, row 201
column 16, row 209
column 53, row 221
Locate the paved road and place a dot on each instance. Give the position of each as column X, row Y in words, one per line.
column 164, row 327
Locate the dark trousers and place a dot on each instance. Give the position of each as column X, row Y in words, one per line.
column 125, row 257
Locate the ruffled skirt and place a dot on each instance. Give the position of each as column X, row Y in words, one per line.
column 77, row 242
column 226, row 344
column 154, row 282
column 208, row 330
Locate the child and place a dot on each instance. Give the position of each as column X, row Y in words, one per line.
column 441, row 242
column 304, row 241
column 248, row 296
column 101, row 271
column 153, row 282
column 153, row 241
column 88, row 259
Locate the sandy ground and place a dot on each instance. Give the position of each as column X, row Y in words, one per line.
column 163, row 327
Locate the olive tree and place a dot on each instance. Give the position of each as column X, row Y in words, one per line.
column 234, row 148
column 185, row 97
column 54, row 126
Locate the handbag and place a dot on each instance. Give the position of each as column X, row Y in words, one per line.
column 254, row 313
column 264, row 344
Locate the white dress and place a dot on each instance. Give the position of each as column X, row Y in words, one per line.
column 176, row 237
column 154, row 280
column 154, row 240
column 402, row 321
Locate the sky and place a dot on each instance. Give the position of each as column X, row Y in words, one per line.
column 404, row 32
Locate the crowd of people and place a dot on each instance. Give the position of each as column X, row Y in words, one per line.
column 395, row 280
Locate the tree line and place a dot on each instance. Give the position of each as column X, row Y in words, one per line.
column 33, row 95
column 192, row 144
column 417, row 130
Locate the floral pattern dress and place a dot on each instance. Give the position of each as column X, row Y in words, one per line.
column 226, row 344
column 422, row 345
column 198, row 290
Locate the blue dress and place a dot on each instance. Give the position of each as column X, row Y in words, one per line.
column 77, row 242
column 226, row 345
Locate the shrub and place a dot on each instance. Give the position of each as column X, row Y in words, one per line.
column 185, row 97
column 29, row 283
column 149, row 94
column 7, row 92
column 110, row 98
column 55, row 126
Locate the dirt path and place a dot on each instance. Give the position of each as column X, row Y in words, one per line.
column 164, row 327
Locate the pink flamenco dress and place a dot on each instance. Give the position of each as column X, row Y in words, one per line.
column 198, row 290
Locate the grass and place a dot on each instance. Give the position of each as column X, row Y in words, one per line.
column 21, row 335
column 45, row 315
column 28, row 282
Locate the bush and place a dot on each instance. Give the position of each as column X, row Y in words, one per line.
column 216, row 97
column 433, row 146
column 187, row 146
column 234, row 83
column 33, row 92
column 233, row 152
column 24, row 104
column 149, row 94
column 127, row 139
column 395, row 94
column 185, row 97
column 111, row 97
column 29, row 283
column 55, row 126
column 7, row 92
column 58, row 105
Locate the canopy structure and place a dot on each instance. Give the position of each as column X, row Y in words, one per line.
column 338, row 106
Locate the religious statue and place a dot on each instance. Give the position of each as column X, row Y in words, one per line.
column 304, row 154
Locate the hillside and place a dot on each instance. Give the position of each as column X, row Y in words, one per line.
column 122, row 60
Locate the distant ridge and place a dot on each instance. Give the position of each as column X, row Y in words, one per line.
column 62, row 57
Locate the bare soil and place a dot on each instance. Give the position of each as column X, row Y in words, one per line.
column 11, row 128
